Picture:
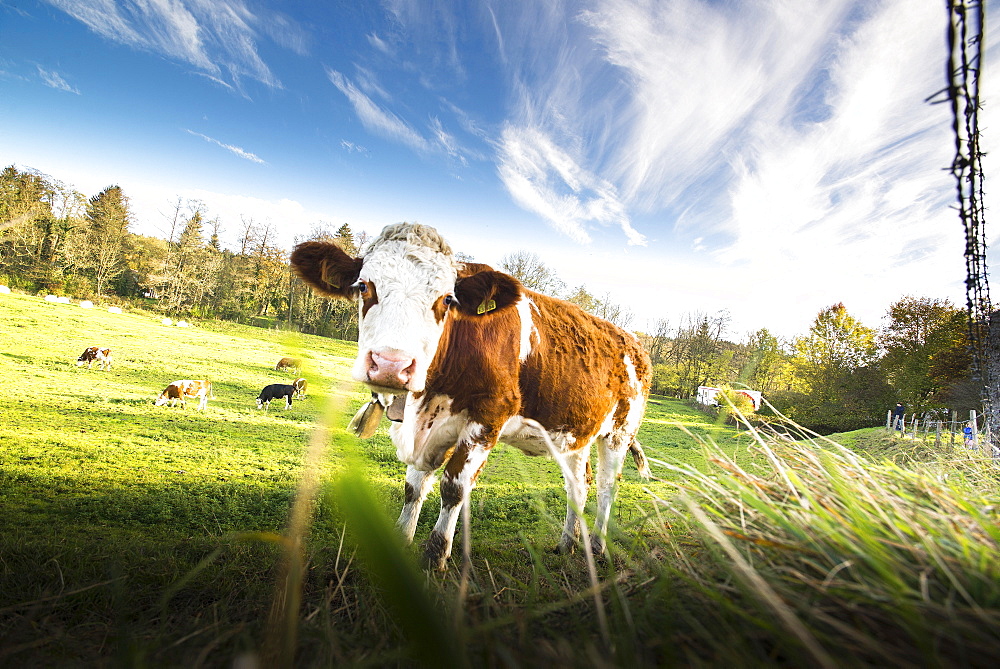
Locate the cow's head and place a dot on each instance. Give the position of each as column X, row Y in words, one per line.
column 405, row 284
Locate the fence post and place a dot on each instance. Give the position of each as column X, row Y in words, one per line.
column 888, row 420
column 974, row 422
column 937, row 435
column 914, row 425
column 951, row 427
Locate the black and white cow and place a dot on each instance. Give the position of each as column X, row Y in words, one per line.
column 273, row 392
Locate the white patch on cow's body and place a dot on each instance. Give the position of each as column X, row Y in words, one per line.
column 428, row 430
column 408, row 277
column 524, row 306
column 525, row 435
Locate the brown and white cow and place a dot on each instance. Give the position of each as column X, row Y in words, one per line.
column 288, row 363
column 92, row 354
column 477, row 358
column 179, row 391
column 301, row 385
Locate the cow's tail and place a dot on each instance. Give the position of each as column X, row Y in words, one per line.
column 211, row 389
column 635, row 448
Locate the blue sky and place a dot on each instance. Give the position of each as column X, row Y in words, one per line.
column 766, row 158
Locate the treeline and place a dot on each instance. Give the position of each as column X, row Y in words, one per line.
column 839, row 375
column 54, row 239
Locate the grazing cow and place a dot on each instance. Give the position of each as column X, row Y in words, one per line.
column 475, row 358
column 92, row 354
column 300, row 387
column 273, row 392
column 179, row 391
column 288, row 363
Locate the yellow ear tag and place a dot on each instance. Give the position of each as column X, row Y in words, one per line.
column 486, row 306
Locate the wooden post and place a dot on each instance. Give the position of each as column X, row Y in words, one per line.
column 888, row 420
column 937, row 435
column 913, row 426
column 973, row 421
column 951, row 427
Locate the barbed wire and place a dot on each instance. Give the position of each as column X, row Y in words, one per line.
column 966, row 30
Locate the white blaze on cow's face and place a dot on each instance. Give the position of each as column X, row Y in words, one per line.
column 402, row 285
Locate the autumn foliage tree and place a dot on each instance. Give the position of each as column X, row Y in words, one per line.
column 927, row 357
column 837, row 381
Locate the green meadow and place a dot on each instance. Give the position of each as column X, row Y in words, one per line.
column 137, row 535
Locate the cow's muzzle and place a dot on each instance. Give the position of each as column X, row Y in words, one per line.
column 389, row 369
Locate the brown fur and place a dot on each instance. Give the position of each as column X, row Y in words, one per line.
column 327, row 268
column 578, row 357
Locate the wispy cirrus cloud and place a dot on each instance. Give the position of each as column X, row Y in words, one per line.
column 545, row 179
column 235, row 150
column 376, row 118
column 55, row 80
column 216, row 37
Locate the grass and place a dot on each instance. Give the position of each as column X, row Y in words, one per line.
column 138, row 535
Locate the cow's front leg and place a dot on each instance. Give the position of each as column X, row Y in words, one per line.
column 418, row 484
column 574, row 469
column 459, row 479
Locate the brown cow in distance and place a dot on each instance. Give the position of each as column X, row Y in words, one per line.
column 288, row 363
column 92, row 354
column 475, row 358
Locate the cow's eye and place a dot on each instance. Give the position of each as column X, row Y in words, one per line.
column 362, row 287
column 450, row 300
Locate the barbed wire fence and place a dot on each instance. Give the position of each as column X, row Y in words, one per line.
column 966, row 32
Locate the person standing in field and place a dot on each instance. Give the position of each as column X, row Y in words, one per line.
column 897, row 416
column 970, row 437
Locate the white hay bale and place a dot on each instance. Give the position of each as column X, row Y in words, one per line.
column 114, row 310
column 4, row 290
column 51, row 298
column 183, row 324
column 63, row 300
column 87, row 304
column 167, row 321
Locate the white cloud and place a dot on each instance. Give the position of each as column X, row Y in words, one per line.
column 235, row 150
column 545, row 179
column 375, row 118
column 55, row 80
column 217, row 37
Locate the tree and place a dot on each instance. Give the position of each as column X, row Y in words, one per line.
column 529, row 269
column 763, row 362
column 838, row 383
column 107, row 221
column 926, row 350
column 700, row 353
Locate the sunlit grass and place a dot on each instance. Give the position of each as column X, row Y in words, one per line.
column 155, row 536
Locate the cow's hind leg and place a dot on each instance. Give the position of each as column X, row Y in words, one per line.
column 611, row 451
column 574, row 467
column 418, row 484
column 459, row 478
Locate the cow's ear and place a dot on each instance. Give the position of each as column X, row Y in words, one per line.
column 470, row 268
column 326, row 267
column 486, row 292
